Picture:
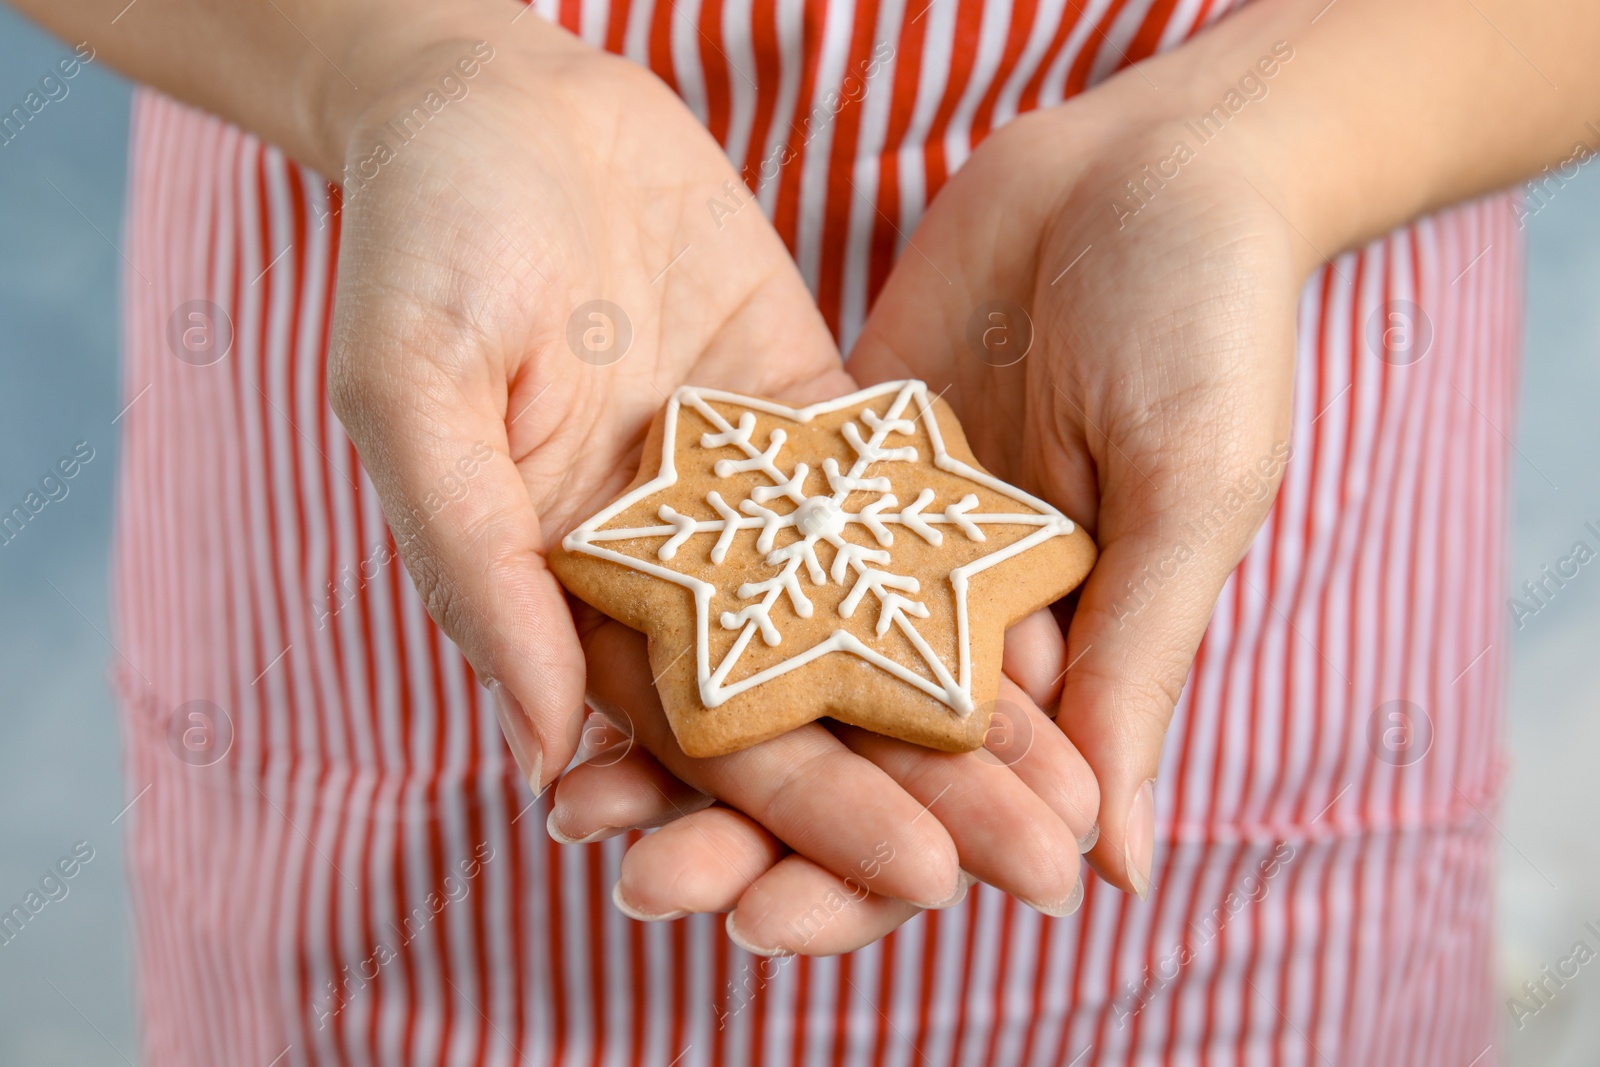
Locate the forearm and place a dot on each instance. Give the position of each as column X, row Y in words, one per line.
column 298, row 73
column 1385, row 111
column 1389, row 110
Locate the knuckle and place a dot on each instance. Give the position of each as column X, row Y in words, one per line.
column 440, row 597
column 1052, row 862
column 1142, row 695
column 944, row 778
column 796, row 789
column 346, row 390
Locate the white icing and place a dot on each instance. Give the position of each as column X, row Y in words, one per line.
column 739, row 436
column 871, row 453
column 785, row 581
column 820, row 518
column 848, row 555
column 771, row 523
column 791, row 487
column 893, row 607
column 956, row 513
column 682, row 526
column 870, row 417
column 872, row 580
column 911, row 518
column 807, row 552
column 730, row 526
column 844, row 484
column 869, row 518
column 758, row 461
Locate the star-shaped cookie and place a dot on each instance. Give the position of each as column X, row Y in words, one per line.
column 849, row 559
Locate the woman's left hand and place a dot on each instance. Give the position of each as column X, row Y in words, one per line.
column 1113, row 317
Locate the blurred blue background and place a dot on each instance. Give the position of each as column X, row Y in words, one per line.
column 65, row 995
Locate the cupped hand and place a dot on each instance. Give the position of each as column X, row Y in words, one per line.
column 521, row 284
column 1128, row 357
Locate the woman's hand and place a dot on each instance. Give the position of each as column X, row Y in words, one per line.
column 1127, row 357
column 522, row 282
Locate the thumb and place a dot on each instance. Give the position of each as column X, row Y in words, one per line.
column 1132, row 640
column 430, row 429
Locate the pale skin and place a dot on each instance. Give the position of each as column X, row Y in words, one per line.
column 1160, row 371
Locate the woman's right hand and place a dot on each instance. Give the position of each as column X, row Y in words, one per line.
column 470, row 259
column 524, row 277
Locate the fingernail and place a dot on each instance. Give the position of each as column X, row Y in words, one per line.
column 562, row 839
column 964, row 883
column 1087, row 841
column 744, row 942
column 633, row 912
column 1139, row 838
column 1073, row 902
column 520, row 738
column 1074, row 898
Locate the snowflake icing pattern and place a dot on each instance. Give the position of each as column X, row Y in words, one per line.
column 865, row 570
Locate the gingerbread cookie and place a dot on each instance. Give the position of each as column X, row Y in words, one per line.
column 849, row 559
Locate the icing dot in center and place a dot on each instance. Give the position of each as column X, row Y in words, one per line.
column 819, row 516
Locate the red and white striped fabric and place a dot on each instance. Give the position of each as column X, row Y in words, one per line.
column 361, row 880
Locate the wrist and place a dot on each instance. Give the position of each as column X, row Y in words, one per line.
column 1153, row 149
column 1224, row 104
column 388, row 63
column 1379, row 112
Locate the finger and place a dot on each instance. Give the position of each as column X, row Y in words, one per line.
column 821, row 799
column 799, row 908
column 426, row 409
column 1044, row 759
column 1133, row 637
column 618, row 787
column 1035, row 657
column 702, row 862
column 1005, row 834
